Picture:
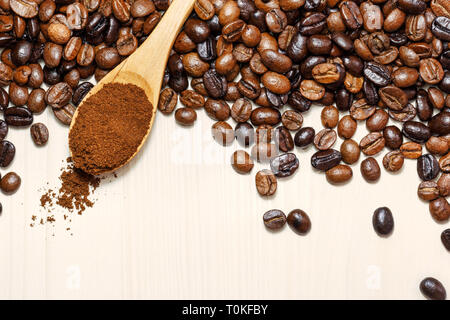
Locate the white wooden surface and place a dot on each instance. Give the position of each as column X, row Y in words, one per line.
column 178, row 222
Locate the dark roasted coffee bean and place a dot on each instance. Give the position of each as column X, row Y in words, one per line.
column 440, row 123
column 441, row 28
column 284, row 165
column 39, row 133
column 265, row 115
column 427, row 167
column 393, row 137
column 445, row 238
column 304, row 137
column 266, row 183
column 433, row 289
column 3, row 130
column 18, row 116
column 168, row 100
column 383, row 221
column 21, row 52
column 7, row 153
column 394, row 97
column 299, row 222
column 215, row 85
column 344, row 99
column 325, row 160
column 416, row 131
column 80, row 92
column 370, row 169
column 298, row 102
column 58, row 95
column 377, row 73
column 283, row 139
column 274, row 219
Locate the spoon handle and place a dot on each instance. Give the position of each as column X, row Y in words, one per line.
column 149, row 61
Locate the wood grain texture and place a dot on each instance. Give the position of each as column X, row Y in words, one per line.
column 179, row 223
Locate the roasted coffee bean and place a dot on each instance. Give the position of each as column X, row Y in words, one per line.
column 274, row 219
column 393, row 137
column 416, row 131
column 168, row 100
column 372, row 143
column 299, row 221
column 330, row 117
column 241, row 110
column 411, row 150
column 395, row 98
column 431, row 70
column 325, row 160
column 64, row 114
column 217, row 109
column 304, row 137
column 437, row 145
column 18, row 95
column 18, row 116
column 39, row 133
column 423, row 106
column 36, row 101
column 428, row 191
column 7, row 153
column 440, row 209
column 432, row 289
column 58, row 95
column 441, row 27
column 427, row 167
column 245, row 134
column 21, row 52
column 264, row 115
column 445, row 238
column 223, row 133
column 298, row 102
column 80, row 92
column 283, row 139
column 383, row 221
column 292, row 120
column 444, row 163
column 339, row 174
column 10, row 183
column 444, row 184
column 440, row 123
column 378, row 121
column 406, row 114
column 361, row 110
column 377, row 73
column 325, row 139
column 350, row 151
column 266, row 183
column 347, row 127
column 284, row 165
column 393, row 161
column 312, row 90
column 370, row 169
column 241, row 162
column 215, row 85
column 3, row 130
column 191, row 99
column 344, row 99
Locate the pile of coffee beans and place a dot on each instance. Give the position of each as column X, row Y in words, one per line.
column 263, row 63
column 50, row 48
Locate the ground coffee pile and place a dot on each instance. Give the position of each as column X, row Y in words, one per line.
column 109, row 128
column 73, row 195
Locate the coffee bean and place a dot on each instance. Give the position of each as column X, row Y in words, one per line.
column 292, row 120
column 304, row 137
column 370, row 169
column 416, row 131
column 361, row 110
column 347, row 127
column 383, row 221
column 445, row 238
column 428, row 191
column 427, row 167
column 444, row 184
column 266, row 183
column 168, row 100
column 339, row 174
column 10, row 183
column 393, row 161
column 440, row 209
column 284, row 165
column 242, row 162
column 274, row 219
column 3, row 130
column 39, row 134
column 444, row 163
column 283, row 139
column 215, row 85
column 325, row 139
column 264, row 115
column 377, row 73
column 64, row 114
column 372, row 143
column 350, row 151
column 433, row 289
column 7, row 153
column 406, row 114
column 223, row 133
column 58, row 95
column 326, row 159
column 299, row 221
column 18, row 116
column 395, row 98
column 241, row 110
column 217, row 109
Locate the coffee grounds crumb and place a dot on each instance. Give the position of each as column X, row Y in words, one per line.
column 74, row 195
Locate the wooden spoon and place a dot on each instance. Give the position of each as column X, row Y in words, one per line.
column 145, row 67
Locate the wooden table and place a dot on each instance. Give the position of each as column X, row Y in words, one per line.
column 178, row 222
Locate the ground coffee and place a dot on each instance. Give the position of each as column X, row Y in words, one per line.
column 109, row 128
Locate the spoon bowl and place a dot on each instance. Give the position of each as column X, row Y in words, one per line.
column 145, row 67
